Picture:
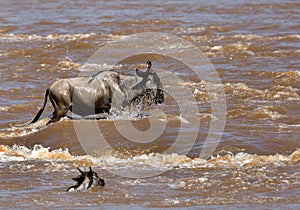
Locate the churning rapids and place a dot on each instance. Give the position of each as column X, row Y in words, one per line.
column 253, row 46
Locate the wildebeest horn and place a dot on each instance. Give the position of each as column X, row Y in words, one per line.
column 140, row 73
column 148, row 71
column 149, row 65
column 91, row 170
column 80, row 170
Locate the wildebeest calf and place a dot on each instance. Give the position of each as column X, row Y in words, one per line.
column 86, row 180
column 102, row 92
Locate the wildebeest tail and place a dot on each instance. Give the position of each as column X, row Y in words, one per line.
column 37, row 116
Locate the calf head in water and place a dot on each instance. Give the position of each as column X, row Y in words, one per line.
column 85, row 181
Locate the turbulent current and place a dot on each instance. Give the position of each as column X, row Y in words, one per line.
column 254, row 48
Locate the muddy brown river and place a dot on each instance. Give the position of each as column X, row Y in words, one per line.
column 252, row 51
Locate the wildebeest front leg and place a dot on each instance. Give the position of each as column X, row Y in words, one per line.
column 118, row 100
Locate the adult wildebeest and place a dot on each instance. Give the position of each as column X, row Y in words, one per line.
column 86, row 180
column 102, row 92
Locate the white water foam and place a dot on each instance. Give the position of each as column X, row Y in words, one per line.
column 145, row 161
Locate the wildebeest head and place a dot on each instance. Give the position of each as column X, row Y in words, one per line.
column 86, row 180
column 149, row 84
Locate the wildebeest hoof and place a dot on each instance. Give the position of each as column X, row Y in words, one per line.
column 86, row 180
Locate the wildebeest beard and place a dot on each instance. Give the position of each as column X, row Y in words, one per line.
column 146, row 97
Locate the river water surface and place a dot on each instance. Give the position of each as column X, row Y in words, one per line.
column 255, row 48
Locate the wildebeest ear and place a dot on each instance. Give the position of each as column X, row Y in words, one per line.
column 140, row 73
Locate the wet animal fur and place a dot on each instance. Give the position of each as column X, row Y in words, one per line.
column 85, row 181
column 102, row 93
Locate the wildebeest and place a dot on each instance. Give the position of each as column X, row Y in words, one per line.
column 102, row 92
column 86, row 180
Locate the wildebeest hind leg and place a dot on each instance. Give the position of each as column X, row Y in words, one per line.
column 61, row 108
column 57, row 114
